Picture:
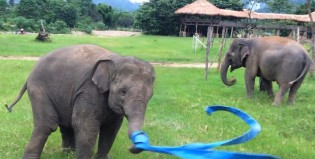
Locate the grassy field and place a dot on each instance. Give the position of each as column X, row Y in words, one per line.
column 150, row 48
column 175, row 114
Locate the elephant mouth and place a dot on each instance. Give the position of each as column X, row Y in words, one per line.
column 118, row 109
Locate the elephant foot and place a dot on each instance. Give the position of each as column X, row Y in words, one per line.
column 102, row 157
column 68, row 149
column 275, row 103
column 291, row 102
column 31, row 156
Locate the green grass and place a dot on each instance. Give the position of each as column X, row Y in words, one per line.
column 175, row 114
column 150, row 48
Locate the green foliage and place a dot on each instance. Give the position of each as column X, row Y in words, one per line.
column 125, row 19
column 158, row 17
column 58, row 27
column 228, row 4
column 280, row 6
column 3, row 6
column 27, row 24
column 302, row 9
column 30, row 9
column 106, row 13
column 99, row 26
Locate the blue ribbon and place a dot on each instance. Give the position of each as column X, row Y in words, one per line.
column 204, row 150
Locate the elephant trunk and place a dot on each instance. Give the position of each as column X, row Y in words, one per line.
column 135, row 112
column 224, row 68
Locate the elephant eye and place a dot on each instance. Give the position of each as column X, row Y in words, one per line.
column 123, row 91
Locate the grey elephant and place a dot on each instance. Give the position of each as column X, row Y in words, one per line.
column 271, row 58
column 86, row 91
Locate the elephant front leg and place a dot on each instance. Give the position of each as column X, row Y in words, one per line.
column 86, row 131
column 86, row 127
column 250, row 83
column 106, row 138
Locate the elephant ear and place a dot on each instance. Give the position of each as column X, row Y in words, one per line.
column 102, row 75
column 244, row 51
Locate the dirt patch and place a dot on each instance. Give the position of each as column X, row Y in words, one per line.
column 187, row 65
column 108, row 33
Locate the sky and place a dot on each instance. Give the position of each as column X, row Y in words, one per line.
column 139, row 1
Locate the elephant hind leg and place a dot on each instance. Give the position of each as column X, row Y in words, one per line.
column 45, row 122
column 68, row 138
column 284, row 87
column 35, row 146
column 295, row 86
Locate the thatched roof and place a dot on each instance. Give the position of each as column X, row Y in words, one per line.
column 203, row 7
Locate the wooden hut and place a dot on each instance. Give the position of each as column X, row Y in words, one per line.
column 195, row 18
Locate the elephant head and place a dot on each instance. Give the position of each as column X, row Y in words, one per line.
column 236, row 58
column 130, row 87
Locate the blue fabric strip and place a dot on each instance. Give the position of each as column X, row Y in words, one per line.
column 204, row 150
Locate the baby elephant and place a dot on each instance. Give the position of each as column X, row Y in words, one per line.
column 86, row 91
column 271, row 58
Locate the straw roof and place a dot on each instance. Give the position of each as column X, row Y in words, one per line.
column 203, row 7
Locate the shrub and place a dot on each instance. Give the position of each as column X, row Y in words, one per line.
column 27, row 24
column 99, row 26
column 58, row 27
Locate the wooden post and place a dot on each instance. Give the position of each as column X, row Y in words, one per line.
column 278, row 32
column 221, row 48
column 298, row 34
column 184, row 33
column 196, row 32
column 180, row 31
column 217, row 34
column 231, row 35
column 209, row 39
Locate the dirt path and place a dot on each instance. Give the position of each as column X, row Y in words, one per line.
column 187, row 65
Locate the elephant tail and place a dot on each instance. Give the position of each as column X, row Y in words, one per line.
column 24, row 88
column 305, row 69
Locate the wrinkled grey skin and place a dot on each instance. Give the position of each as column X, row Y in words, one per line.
column 271, row 58
column 86, row 91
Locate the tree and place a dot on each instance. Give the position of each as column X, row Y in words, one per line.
column 303, row 9
column 3, row 7
column 125, row 19
column 30, row 9
column 106, row 13
column 280, row 6
column 228, row 4
column 11, row 2
column 69, row 15
column 158, row 16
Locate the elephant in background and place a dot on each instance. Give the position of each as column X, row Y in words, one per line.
column 271, row 58
column 86, row 91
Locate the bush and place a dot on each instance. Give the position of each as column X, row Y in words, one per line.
column 58, row 27
column 85, row 28
column 27, row 24
column 99, row 26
